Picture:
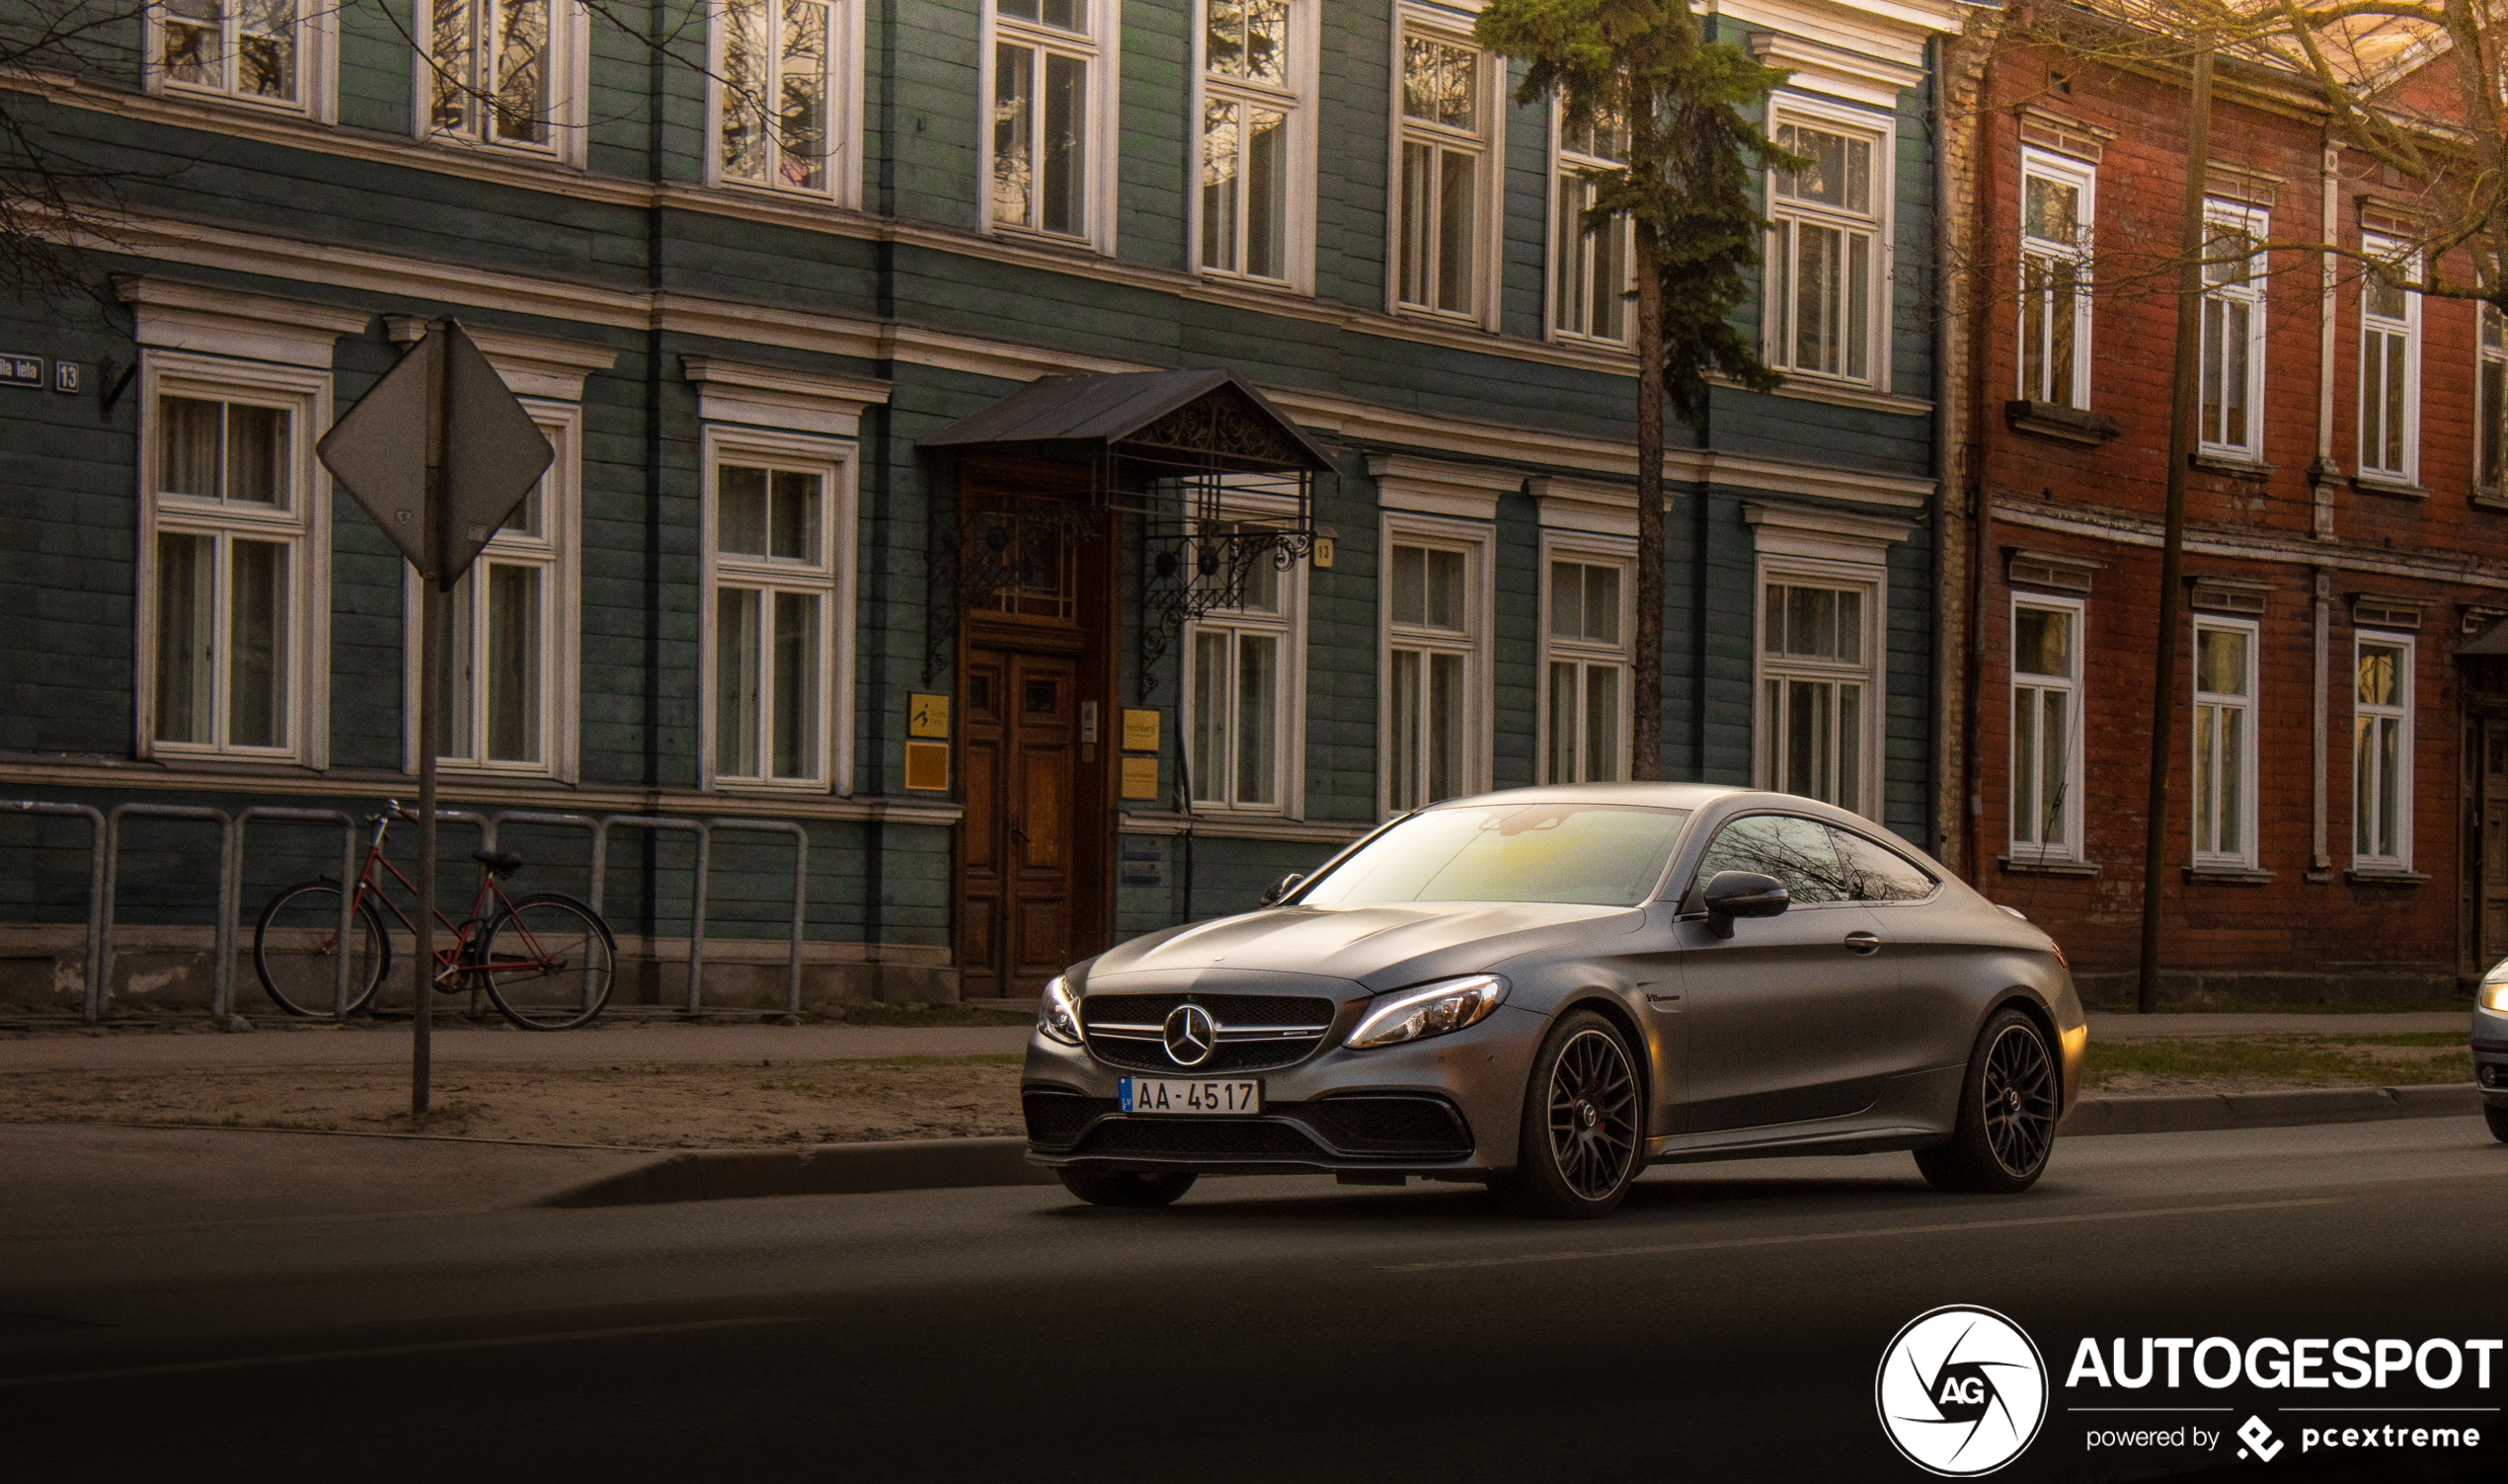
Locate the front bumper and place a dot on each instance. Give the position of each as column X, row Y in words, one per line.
column 1448, row 1104
column 2490, row 1055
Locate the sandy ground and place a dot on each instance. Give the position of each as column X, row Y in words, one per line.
column 630, row 1106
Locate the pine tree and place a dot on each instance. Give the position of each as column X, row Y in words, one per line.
column 1645, row 68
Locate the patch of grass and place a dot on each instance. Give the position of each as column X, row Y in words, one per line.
column 2442, row 1058
column 877, row 1013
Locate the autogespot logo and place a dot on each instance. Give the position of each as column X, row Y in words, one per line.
column 1961, row 1391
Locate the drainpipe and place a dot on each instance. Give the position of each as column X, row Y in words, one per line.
column 1937, row 124
column 1972, row 802
column 2320, row 485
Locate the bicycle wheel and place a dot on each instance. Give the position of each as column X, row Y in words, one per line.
column 548, row 963
column 297, row 950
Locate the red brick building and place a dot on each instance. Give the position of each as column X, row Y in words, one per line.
column 2339, row 794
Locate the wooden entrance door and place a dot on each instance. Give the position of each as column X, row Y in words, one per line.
column 2490, row 907
column 1016, row 881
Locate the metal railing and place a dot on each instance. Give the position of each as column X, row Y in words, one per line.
column 105, row 880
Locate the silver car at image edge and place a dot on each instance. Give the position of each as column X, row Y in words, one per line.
column 1546, row 989
column 2490, row 1048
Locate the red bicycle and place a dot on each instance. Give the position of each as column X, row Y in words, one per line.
column 546, row 961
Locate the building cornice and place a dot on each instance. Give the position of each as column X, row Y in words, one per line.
column 2105, row 524
column 531, row 366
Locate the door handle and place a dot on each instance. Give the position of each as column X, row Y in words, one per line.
column 1862, row 942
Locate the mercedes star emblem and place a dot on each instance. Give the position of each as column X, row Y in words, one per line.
column 1190, row 1035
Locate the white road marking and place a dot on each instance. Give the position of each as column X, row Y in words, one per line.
column 433, row 1348
column 1799, row 1238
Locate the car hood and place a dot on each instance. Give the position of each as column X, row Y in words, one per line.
column 1374, row 947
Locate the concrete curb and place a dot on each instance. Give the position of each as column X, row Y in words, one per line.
column 957, row 1163
column 2183, row 1113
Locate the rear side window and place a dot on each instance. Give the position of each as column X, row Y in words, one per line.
column 1876, row 872
column 1802, row 853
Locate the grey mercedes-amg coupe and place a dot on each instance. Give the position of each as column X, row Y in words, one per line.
column 1548, row 988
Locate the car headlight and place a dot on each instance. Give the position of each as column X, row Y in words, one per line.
column 1058, row 1014
column 1430, row 1010
column 2494, row 990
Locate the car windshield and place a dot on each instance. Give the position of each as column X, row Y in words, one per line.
column 1600, row 854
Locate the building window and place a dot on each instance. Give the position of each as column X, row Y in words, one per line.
column 232, row 607
column 2224, row 742
column 1448, row 125
column 2381, row 753
column 1255, row 139
column 1242, row 690
column 2490, row 414
column 1045, row 61
column 778, row 91
column 510, row 665
column 2046, row 730
column 502, row 72
column 1435, row 628
column 1816, row 682
column 1586, row 669
column 2058, row 200
column 254, row 50
column 1825, row 254
column 2232, row 369
column 2390, row 367
column 779, row 544
column 1591, row 268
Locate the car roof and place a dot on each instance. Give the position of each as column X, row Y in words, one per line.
column 1651, row 795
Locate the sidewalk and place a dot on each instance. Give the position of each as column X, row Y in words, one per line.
column 604, row 1045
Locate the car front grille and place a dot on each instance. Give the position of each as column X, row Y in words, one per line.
column 1256, row 1031
column 1368, row 1126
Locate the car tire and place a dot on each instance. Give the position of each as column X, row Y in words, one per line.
column 1125, row 1186
column 2497, row 1118
column 1583, row 1137
column 2007, row 1109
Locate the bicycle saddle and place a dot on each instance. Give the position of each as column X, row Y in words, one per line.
column 499, row 863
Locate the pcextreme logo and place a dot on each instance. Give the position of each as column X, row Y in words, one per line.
column 1961, row 1391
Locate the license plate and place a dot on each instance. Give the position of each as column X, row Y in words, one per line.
column 1151, row 1095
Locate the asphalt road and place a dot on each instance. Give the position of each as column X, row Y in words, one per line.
column 1725, row 1326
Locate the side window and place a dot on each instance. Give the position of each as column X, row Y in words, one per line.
column 1873, row 872
column 1796, row 851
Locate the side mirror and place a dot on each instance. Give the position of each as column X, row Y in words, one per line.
column 1742, row 894
column 1282, row 886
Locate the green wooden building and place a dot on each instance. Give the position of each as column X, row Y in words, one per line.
column 1078, row 460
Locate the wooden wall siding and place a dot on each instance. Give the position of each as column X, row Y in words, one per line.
column 2292, row 937
column 67, row 532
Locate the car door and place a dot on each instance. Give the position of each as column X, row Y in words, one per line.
column 1928, row 940
column 1790, row 1018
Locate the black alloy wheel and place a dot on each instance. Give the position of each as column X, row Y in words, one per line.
column 2007, row 1109
column 1584, row 1123
column 1125, row 1186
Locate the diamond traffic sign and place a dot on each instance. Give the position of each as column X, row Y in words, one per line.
column 438, row 452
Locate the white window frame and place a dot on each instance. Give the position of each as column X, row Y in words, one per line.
column 1571, row 257
column 317, row 63
column 1301, row 101
column 2070, row 815
column 1101, row 47
column 1777, row 311
column 2402, row 714
column 2406, row 468
column 833, row 581
column 570, row 85
column 2490, row 401
column 2084, row 179
column 843, row 163
column 1591, row 551
column 1288, row 626
column 306, row 394
column 1489, row 142
column 1475, row 643
column 558, row 553
column 2250, row 704
column 2257, row 223
column 1870, row 672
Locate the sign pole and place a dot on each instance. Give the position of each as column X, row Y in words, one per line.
column 433, row 610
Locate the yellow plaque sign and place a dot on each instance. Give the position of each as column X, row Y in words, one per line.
column 1141, row 731
column 927, row 767
column 1141, row 777
column 927, row 715
column 1323, row 552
